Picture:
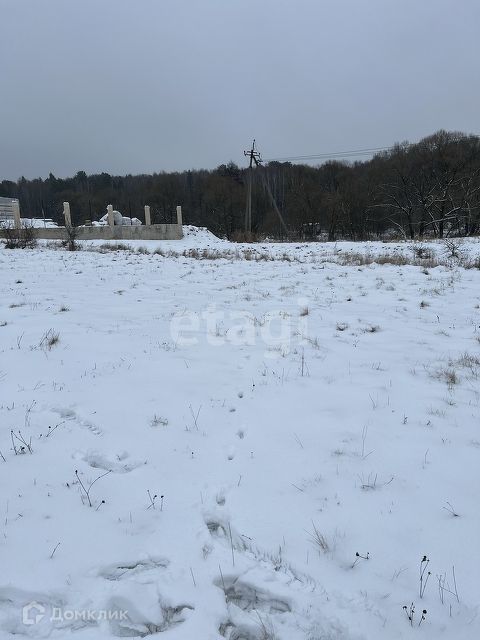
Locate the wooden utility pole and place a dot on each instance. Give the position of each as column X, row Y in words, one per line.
column 255, row 158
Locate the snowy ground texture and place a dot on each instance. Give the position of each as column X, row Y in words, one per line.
column 286, row 432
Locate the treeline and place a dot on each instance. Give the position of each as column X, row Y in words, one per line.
column 427, row 189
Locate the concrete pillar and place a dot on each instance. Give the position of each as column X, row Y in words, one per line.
column 111, row 221
column 148, row 219
column 66, row 213
column 16, row 215
column 179, row 216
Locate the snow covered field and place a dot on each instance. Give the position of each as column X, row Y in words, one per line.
column 281, row 440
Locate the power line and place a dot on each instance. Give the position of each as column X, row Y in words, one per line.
column 347, row 154
column 334, row 154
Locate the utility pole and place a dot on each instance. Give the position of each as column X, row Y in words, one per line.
column 256, row 158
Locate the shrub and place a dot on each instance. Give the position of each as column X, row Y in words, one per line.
column 24, row 238
column 113, row 246
column 422, row 252
column 71, row 242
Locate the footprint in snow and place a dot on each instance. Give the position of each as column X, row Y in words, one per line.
column 130, row 622
column 117, row 463
column 125, row 570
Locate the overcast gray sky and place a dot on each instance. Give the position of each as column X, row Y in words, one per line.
column 131, row 86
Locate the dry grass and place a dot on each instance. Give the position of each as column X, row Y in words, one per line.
column 112, row 246
column 447, row 375
column 319, row 540
column 420, row 256
column 469, row 362
column 373, row 328
column 50, row 339
column 395, row 259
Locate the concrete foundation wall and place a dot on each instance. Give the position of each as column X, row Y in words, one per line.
column 120, row 232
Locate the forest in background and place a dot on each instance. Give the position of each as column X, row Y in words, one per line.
column 427, row 189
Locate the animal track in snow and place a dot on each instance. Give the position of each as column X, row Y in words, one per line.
column 70, row 414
